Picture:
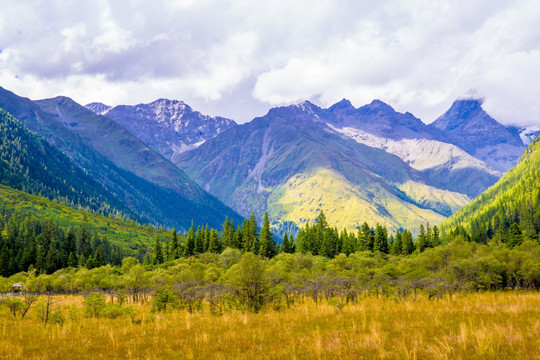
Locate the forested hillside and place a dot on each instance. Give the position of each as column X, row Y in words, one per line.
column 145, row 182
column 509, row 211
column 43, row 233
column 31, row 164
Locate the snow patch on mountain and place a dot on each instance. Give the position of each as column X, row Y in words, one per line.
column 529, row 133
column 420, row 154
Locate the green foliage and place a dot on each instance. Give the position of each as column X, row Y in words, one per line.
column 249, row 279
column 95, row 305
column 49, row 235
column 268, row 247
column 507, row 212
column 163, row 298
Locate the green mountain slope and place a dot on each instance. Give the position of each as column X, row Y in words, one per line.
column 147, row 183
column 31, row 164
column 126, row 234
column 510, row 208
column 293, row 165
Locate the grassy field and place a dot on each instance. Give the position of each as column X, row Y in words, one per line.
column 477, row 326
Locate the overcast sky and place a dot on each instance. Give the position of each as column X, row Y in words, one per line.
column 239, row 58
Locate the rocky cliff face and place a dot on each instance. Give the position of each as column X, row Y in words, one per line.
column 170, row 127
column 469, row 127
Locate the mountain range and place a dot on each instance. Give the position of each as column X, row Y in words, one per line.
column 137, row 176
column 167, row 164
column 358, row 164
column 170, row 127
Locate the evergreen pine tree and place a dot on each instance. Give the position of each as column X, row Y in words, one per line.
column 284, row 248
column 514, row 235
column 199, row 241
column 408, row 245
column 422, row 242
column 253, row 234
column 267, row 243
column 397, row 249
column 175, row 246
column 292, row 244
column 206, row 241
column 82, row 261
column 72, row 260
column 239, row 238
column 435, row 241
column 214, row 243
column 381, row 240
column 228, row 234
column 98, row 257
column 158, row 253
column 69, row 245
column 189, row 249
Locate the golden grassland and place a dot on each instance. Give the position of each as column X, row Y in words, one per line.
column 476, row 326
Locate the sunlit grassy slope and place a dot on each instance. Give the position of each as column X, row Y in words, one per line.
column 126, row 234
column 478, row 326
column 517, row 192
column 302, row 197
column 290, row 164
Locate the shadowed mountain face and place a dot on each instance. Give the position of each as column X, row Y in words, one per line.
column 29, row 163
column 142, row 179
column 170, row 127
column 469, row 127
column 293, row 164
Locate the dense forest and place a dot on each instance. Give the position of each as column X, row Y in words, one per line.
column 31, row 164
column 27, row 243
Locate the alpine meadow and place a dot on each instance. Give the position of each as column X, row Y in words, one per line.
column 185, row 180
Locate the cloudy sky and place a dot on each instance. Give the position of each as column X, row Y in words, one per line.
column 239, row 58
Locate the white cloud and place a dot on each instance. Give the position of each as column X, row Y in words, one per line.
column 418, row 55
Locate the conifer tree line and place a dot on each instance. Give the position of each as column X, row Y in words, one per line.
column 317, row 239
column 27, row 243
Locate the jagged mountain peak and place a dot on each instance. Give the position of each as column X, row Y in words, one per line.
column 462, row 112
column 377, row 106
column 176, row 104
column 170, row 127
column 470, row 127
column 98, row 108
column 342, row 105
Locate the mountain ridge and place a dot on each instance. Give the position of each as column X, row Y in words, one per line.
column 161, row 204
column 170, row 127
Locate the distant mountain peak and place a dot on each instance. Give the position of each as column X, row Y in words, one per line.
column 464, row 112
column 342, row 104
column 464, row 109
column 98, row 108
column 309, row 107
column 168, row 102
column 377, row 107
column 471, row 128
column 170, row 127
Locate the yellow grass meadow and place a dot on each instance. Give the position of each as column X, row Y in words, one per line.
column 501, row 325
